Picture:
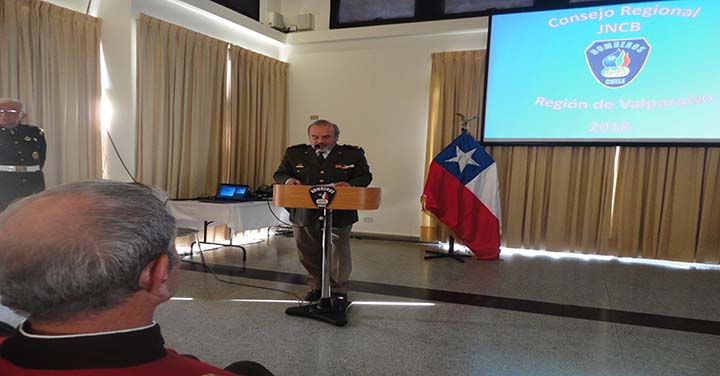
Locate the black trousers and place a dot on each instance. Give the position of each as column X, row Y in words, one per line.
column 16, row 185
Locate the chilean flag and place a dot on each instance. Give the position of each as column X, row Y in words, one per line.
column 462, row 192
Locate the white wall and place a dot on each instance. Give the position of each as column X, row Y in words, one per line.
column 118, row 108
column 377, row 90
column 76, row 5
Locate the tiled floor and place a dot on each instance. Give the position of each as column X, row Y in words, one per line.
column 516, row 316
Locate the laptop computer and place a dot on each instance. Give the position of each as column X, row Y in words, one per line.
column 230, row 193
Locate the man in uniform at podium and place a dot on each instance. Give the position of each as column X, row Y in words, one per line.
column 22, row 154
column 324, row 162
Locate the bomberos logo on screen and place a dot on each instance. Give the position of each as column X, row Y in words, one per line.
column 616, row 63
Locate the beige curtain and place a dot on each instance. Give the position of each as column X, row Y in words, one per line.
column 667, row 204
column 181, row 88
column 708, row 236
column 257, row 128
column 50, row 59
column 555, row 198
column 456, row 83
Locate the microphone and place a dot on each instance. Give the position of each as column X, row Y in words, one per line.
column 316, row 147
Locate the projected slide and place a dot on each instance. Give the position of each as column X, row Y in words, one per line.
column 638, row 72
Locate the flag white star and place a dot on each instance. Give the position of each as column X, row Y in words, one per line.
column 463, row 159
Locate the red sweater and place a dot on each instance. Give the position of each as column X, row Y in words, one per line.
column 139, row 352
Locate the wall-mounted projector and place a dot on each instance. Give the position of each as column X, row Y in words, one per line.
column 275, row 20
column 305, row 22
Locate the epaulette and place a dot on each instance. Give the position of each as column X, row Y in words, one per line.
column 298, row 146
column 40, row 130
column 352, row 146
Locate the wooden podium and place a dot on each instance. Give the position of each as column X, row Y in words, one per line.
column 326, row 198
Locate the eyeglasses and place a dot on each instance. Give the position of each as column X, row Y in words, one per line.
column 12, row 112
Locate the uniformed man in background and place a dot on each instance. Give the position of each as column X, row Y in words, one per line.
column 324, row 162
column 22, row 154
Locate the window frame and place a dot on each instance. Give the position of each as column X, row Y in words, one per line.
column 433, row 10
column 232, row 5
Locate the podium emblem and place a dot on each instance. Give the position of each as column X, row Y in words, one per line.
column 322, row 195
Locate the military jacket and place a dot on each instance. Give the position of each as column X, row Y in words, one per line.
column 23, row 145
column 344, row 163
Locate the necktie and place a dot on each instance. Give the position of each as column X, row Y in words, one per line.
column 321, row 156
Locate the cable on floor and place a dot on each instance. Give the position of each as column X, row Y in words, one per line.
column 206, row 266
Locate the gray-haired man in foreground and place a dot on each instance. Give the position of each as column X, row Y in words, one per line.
column 89, row 263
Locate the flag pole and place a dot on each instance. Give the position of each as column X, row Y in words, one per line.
column 432, row 254
column 450, row 253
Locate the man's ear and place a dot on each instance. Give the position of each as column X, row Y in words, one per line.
column 154, row 277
